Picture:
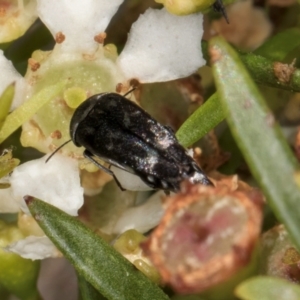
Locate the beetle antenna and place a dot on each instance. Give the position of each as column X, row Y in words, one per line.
column 220, row 8
column 130, row 91
column 56, row 150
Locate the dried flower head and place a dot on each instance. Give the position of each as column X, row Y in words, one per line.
column 205, row 236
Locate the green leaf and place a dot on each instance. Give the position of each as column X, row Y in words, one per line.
column 99, row 263
column 87, row 291
column 24, row 112
column 267, row 288
column 204, row 119
column 4, row 294
column 280, row 45
column 6, row 100
column 228, row 144
column 258, row 136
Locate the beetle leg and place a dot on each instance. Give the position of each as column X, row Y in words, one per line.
column 87, row 154
column 219, row 7
column 113, row 163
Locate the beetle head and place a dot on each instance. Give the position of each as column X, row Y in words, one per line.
column 81, row 113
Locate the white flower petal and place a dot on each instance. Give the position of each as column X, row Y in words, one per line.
column 163, row 47
column 16, row 17
column 56, row 182
column 9, row 75
column 34, row 247
column 7, row 202
column 143, row 217
column 80, row 21
column 130, row 181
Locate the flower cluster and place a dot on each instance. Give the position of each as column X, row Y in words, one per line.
column 160, row 47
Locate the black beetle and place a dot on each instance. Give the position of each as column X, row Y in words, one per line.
column 118, row 131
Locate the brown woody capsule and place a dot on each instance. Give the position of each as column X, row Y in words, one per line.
column 279, row 256
column 206, row 235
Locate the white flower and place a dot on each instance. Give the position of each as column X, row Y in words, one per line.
column 160, row 47
column 34, row 247
column 15, row 18
column 9, row 75
column 163, row 47
column 141, row 217
column 56, row 182
column 7, row 203
column 79, row 22
column 38, row 179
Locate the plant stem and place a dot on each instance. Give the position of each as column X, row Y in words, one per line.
column 262, row 70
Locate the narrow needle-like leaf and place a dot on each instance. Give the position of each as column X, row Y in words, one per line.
column 204, row 119
column 258, row 136
column 24, row 112
column 278, row 47
column 87, row 291
column 94, row 259
column 6, row 100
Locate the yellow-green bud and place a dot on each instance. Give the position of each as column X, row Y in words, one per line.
column 185, row 7
column 17, row 275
